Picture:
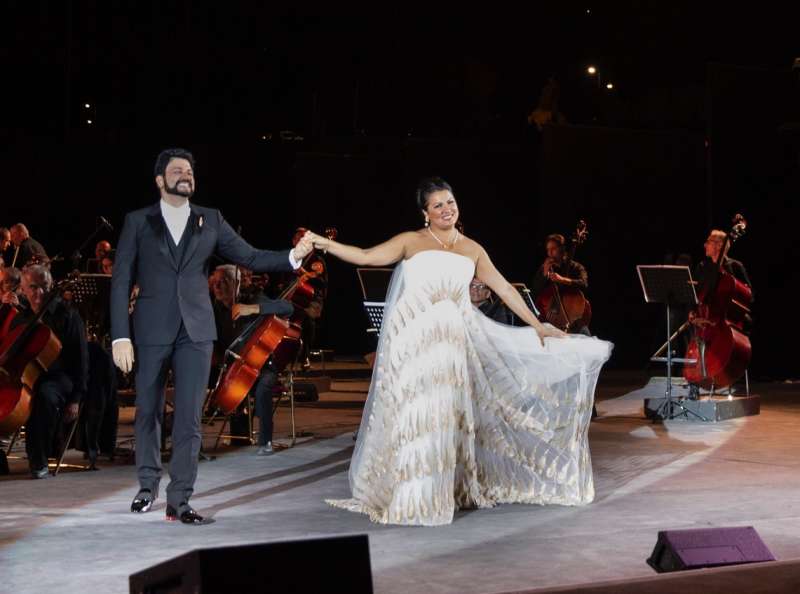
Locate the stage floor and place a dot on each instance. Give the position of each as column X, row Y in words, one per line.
column 74, row 533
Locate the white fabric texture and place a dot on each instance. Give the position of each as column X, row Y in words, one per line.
column 464, row 412
column 176, row 218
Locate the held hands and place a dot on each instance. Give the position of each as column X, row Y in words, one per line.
column 122, row 352
column 304, row 247
column 319, row 241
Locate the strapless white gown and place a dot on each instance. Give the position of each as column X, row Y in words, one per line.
column 464, row 412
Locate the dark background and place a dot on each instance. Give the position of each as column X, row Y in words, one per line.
column 698, row 127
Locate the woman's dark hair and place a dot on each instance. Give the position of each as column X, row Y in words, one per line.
column 167, row 155
column 556, row 238
column 428, row 186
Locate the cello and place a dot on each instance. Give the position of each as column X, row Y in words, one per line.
column 26, row 352
column 720, row 346
column 272, row 339
column 566, row 307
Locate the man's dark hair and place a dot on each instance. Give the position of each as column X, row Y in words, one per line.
column 167, row 155
column 556, row 238
column 428, row 186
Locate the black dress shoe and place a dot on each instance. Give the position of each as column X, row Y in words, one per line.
column 143, row 501
column 187, row 516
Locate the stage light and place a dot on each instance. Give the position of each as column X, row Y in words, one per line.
column 86, row 105
column 89, row 122
column 609, row 86
column 591, row 70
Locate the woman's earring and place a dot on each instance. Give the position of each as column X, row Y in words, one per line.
column 427, row 221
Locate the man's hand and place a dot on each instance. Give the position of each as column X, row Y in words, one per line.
column 243, row 309
column 557, row 278
column 122, row 351
column 304, row 246
column 71, row 412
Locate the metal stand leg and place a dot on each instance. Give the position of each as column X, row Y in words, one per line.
column 14, row 439
column 291, row 405
column 221, row 431
column 66, row 446
column 667, row 410
column 250, row 436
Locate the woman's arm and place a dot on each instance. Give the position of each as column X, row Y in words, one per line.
column 382, row 254
column 487, row 272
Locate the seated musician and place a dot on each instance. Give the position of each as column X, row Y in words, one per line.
column 5, row 244
column 706, row 272
column 27, row 249
column 102, row 251
column 557, row 269
column 9, row 285
column 61, row 388
column 232, row 319
column 315, row 270
column 481, row 297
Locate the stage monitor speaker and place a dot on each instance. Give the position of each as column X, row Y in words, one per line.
column 677, row 550
column 338, row 564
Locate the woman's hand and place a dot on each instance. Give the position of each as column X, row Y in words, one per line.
column 318, row 241
column 549, row 331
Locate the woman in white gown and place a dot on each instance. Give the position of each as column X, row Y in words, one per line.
column 464, row 412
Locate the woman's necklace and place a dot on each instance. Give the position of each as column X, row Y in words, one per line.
column 441, row 243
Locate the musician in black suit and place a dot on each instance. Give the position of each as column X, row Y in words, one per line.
column 481, row 297
column 558, row 269
column 58, row 391
column 234, row 319
column 26, row 249
column 706, row 273
column 165, row 250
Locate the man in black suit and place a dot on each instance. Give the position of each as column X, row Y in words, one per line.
column 165, row 250
column 59, row 390
column 27, row 249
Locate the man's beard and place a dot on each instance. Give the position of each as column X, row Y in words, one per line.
column 176, row 192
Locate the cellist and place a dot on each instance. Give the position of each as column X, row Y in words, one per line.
column 61, row 388
column 557, row 268
column 707, row 270
column 707, row 273
column 232, row 315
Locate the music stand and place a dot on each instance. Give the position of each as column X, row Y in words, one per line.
column 525, row 293
column 670, row 285
column 374, row 284
column 91, row 294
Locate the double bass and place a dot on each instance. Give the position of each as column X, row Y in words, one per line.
column 566, row 307
column 26, row 352
column 720, row 345
column 272, row 339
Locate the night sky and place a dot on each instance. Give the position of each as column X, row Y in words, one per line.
column 693, row 130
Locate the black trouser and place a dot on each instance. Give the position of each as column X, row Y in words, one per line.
column 51, row 394
column 98, row 425
column 190, row 363
column 263, row 393
column 308, row 334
